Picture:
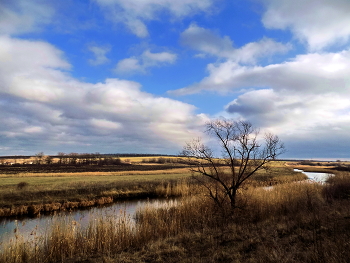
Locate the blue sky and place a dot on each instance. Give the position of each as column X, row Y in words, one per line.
column 144, row 76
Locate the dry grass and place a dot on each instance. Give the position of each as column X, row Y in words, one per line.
column 35, row 198
column 87, row 188
column 338, row 186
column 285, row 199
column 141, row 159
column 276, row 174
column 110, row 236
column 94, row 174
column 293, row 222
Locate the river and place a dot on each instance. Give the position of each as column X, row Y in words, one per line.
column 316, row 177
column 29, row 229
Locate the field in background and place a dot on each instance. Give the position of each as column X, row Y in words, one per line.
column 36, row 188
column 289, row 223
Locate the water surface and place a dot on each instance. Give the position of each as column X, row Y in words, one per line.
column 316, row 177
column 30, row 229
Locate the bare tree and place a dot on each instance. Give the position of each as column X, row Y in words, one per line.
column 39, row 158
column 244, row 152
column 61, row 158
column 48, row 159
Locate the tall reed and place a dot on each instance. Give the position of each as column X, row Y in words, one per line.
column 67, row 239
column 285, row 199
column 287, row 223
column 338, row 186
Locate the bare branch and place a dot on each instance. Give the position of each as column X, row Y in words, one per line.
column 242, row 154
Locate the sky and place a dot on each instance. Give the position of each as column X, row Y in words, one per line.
column 144, row 76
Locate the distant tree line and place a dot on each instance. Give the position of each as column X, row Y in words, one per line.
column 161, row 160
column 65, row 159
column 178, row 160
column 81, row 159
column 338, row 165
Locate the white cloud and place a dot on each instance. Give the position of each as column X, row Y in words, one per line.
column 308, row 73
column 318, row 23
column 19, row 62
column 29, row 16
column 145, row 61
column 128, row 65
column 305, row 100
column 266, row 47
column 135, row 13
column 33, row 129
column 99, row 54
column 323, row 118
column 162, row 57
column 209, row 42
column 42, row 105
column 137, row 27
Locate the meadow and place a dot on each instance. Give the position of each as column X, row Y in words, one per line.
column 28, row 190
column 291, row 222
column 37, row 192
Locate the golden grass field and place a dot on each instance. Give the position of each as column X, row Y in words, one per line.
column 291, row 222
column 33, row 188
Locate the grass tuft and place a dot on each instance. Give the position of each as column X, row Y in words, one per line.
column 22, row 185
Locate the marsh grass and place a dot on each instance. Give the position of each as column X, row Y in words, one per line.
column 96, row 173
column 284, row 199
column 46, row 188
column 47, row 192
column 36, row 200
column 338, row 186
column 67, row 239
column 292, row 222
column 274, row 175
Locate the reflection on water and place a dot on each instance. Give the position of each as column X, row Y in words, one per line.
column 311, row 176
column 30, row 229
column 317, row 177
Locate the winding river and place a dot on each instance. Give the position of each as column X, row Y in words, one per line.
column 316, row 177
column 30, row 228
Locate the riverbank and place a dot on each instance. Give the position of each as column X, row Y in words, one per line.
column 34, row 200
column 33, row 193
column 294, row 222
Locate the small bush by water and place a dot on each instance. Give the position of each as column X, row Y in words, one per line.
column 338, row 186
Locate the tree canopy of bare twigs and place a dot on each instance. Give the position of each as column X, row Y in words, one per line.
column 244, row 152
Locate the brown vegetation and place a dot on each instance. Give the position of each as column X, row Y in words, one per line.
column 35, row 189
column 34, row 203
column 243, row 155
column 295, row 222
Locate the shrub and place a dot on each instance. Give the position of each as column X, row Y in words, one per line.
column 22, row 185
column 338, row 187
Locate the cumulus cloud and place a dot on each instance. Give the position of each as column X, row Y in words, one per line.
column 308, row 73
column 301, row 120
column 207, row 41
column 306, row 99
column 135, row 13
column 43, row 105
column 20, row 61
column 99, row 53
column 211, row 43
column 146, row 60
column 23, row 16
column 319, row 24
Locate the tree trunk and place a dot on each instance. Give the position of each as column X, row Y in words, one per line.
column 233, row 198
